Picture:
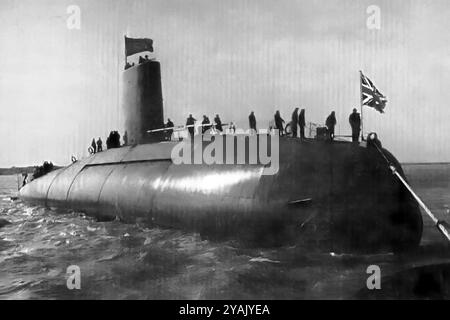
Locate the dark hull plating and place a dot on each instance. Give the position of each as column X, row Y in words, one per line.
column 357, row 204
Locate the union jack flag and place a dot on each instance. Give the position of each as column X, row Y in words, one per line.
column 371, row 96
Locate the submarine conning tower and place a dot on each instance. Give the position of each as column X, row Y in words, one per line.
column 142, row 102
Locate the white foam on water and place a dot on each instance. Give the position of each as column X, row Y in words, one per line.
column 261, row 259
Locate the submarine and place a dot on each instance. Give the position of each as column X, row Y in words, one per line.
column 335, row 196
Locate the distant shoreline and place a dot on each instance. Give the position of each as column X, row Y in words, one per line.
column 16, row 170
column 424, row 163
column 19, row 170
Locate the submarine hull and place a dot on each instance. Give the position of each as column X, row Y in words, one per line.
column 334, row 196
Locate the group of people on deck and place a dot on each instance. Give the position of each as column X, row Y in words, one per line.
column 113, row 141
column 355, row 124
column 298, row 121
column 206, row 124
column 141, row 61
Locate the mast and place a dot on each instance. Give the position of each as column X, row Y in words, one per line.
column 362, row 104
column 126, row 60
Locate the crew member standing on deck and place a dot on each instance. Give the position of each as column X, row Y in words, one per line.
column 294, row 123
column 169, row 132
column 252, row 122
column 99, row 145
column 93, row 146
column 355, row 123
column 205, row 124
column 302, row 123
column 190, row 123
column 279, row 123
column 218, row 123
column 331, row 123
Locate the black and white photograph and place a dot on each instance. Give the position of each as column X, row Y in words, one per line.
column 242, row 151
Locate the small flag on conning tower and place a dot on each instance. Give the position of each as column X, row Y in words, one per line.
column 371, row 96
column 133, row 46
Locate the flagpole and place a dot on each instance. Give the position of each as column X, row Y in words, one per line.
column 362, row 104
column 125, row 38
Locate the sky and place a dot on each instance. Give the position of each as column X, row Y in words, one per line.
column 60, row 86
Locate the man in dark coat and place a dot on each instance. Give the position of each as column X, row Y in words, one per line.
column 331, row 123
column 190, row 123
column 279, row 123
column 252, row 121
column 99, row 145
column 294, row 123
column 169, row 132
column 302, row 123
column 355, row 123
column 94, row 146
column 113, row 140
column 218, row 123
column 205, row 124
